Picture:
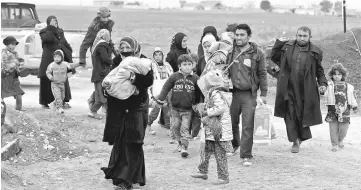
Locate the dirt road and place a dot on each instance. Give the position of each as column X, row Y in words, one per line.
column 315, row 167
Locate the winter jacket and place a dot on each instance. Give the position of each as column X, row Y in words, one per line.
column 218, row 106
column 185, row 91
column 9, row 61
column 57, row 73
column 91, row 34
column 281, row 54
column 102, row 61
column 52, row 39
column 330, row 95
column 248, row 72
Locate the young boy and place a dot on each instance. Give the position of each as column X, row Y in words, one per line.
column 185, row 93
column 57, row 74
column 162, row 70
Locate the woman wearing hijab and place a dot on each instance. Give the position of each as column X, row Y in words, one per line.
column 207, row 42
column 101, row 54
column 178, row 47
column 209, row 30
column 52, row 38
column 125, row 126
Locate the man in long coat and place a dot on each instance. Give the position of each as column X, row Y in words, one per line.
column 297, row 97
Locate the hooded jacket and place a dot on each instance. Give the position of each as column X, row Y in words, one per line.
column 176, row 50
column 57, row 72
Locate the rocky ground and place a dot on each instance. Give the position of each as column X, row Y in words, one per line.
column 66, row 152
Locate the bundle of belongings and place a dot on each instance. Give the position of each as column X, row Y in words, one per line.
column 117, row 85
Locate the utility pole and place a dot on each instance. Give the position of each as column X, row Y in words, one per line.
column 344, row 15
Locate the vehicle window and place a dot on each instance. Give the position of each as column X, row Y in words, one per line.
column 15, row 13
column 27, row 14
column 4, row 13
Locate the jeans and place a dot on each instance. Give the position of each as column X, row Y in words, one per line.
column 243, row 103
column 338, row 132
column 181, row 121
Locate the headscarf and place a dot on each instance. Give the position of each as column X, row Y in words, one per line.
column 103, row 12
column 212, row 30
column 102, row 36
column 48, row 20
column 177, row 41
column 211, row 39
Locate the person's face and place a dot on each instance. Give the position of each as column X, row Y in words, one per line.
column 242, row 37
column 104, row 19
column 124, row 47
column 158, row 57
column 231, row 35
column 303, row 37
column 57, row 58
column 186, row 67
column 184, row 42
column 54, row 22
column 12, row 46
column 337, row 76
column 206, row 46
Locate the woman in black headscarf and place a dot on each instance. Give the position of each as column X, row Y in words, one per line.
column 52, row 38
column 178, row 47
column 207, row 30
column 125, row 125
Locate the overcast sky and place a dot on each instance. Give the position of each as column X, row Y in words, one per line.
column 355, row 4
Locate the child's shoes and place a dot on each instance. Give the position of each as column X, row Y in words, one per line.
column 200, row 176
column 341, row 145
column 221, row 182
column 334, row 148
column 150, row 130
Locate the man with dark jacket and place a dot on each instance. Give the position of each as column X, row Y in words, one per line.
column 102, row 21
column 297, row 97
column 248, row 74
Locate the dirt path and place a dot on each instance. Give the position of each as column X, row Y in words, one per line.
column 315, row 167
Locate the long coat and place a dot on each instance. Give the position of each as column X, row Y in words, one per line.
column 282, row 55
column 52, row 39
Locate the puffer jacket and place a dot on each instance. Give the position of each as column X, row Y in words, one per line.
column 218, row 105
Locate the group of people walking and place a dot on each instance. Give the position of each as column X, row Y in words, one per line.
column 225, row 79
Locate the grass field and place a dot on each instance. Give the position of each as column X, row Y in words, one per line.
column 156, row 28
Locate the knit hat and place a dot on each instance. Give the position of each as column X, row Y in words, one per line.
column 60, row 53
column 214, row 78
column 103, row 12
column 10, row 40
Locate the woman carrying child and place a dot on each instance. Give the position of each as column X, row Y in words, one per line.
column 340, row 99
column 218, row 127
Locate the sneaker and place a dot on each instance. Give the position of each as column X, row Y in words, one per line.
column 60, row 110
column 334, row 148
column 200, row 176
column 341, row 145
column 220, row 182
column 150, row 130
column 172, row 141
column 94, row 115
column 246, row 162
column 184, row 153
column 66, row 105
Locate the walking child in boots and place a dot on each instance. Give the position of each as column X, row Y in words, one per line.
column 57, row 74
column 340, row 101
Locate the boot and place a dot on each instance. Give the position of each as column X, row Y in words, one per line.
column 19, row 103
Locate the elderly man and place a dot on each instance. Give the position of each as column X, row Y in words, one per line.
column 297, row 98
column 248, row 74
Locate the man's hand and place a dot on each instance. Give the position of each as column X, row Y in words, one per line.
column 283, row 39
column 322, row 89
column 261, row 100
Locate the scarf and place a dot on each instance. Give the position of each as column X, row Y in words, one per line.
column 102, row 36
column 211, row 39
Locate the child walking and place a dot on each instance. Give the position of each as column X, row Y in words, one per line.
column 57, row 74
column 185, row 94
column 340, row 100
column 217, row 127
column 10, row 63
column 162, row 70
